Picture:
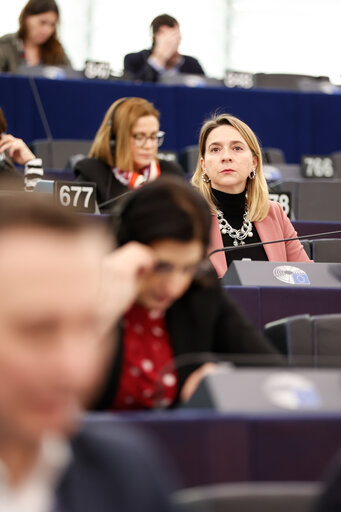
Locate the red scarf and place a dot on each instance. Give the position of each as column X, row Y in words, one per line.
column 134, row 179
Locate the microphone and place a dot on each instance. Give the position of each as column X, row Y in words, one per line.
column 43, row 119
column 114, row 199
column 258, row 244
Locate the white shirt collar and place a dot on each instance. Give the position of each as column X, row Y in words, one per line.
column 37, row 492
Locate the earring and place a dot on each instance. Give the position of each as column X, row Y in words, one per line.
column 205, row 178
column 252, row 174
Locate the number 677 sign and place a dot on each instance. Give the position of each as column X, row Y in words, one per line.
column 78, row 196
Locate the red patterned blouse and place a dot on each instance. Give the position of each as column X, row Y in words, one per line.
column 148, row 378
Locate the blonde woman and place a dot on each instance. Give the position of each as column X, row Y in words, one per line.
column 229, row 175
column 123, row 155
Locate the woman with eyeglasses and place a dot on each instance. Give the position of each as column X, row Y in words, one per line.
column 123, row 155
column 179, row 312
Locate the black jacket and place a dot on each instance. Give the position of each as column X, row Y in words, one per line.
column 203, row 320
column 113, row 470
column 108, row 187
column 136, row 67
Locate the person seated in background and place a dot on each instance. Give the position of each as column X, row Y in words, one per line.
column 36, row 42
column 53, row 351
column 13, row 150
column 163, row 57
column 180, row 311
column 230, row 177
column 123, row 155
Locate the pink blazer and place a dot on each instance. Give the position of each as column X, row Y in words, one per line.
column 275, row 226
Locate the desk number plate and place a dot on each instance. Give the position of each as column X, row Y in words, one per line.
column 77, row 196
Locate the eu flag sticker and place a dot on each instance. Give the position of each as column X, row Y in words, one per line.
column 291, row 275
column 300, row 278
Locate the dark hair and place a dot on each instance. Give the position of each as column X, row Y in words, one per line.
column 167, row 208
column 3, row 123
column 51, row 51
column 160, row 21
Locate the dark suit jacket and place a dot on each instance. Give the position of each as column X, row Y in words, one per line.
column 204, row 319
column 330, row 499
column 108, row 187
column 113, row 471
column 136, row 67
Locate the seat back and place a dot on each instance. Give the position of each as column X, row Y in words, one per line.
column 188, row 159
column 273, row 156
column 312, row 199
column 336, row 157
column 307, row 247
column 326, row 250
column 327, row 339
column 293, row 337
column 308, row 340
column 319, row 200
column 57, row 153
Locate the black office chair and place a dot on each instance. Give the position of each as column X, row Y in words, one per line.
column 249, row 497
column 326, row 250
column 189, row 158
column 336, row 157
column 288, row 81
column 292, row 336
column 57, row 153
column 307, row 247
column 308, row 340
column 273, row 156
column 318, row 200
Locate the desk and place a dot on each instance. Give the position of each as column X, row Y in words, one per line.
column 297, row 122
column 207, row 447
column 266, row 304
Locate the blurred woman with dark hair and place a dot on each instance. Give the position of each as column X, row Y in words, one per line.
column 36, row 42
column 180, row 311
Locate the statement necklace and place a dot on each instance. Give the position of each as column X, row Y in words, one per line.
column 239, row 235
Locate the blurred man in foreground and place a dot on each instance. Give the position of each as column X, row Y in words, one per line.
column 53, row 351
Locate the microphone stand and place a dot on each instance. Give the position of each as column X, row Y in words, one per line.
column 43, row 119
column 258, row 244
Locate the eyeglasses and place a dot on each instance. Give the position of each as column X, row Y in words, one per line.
column 141, row 138
column 166, row 268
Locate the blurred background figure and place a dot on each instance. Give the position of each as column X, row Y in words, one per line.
column 53, row 353
column 180, row 309
column 36, row 42
column 123, row 155
column 164, row 57
column 13, row 150
column 229, row 174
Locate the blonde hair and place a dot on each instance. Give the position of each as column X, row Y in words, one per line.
column 257, row 196
column 118, row 122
